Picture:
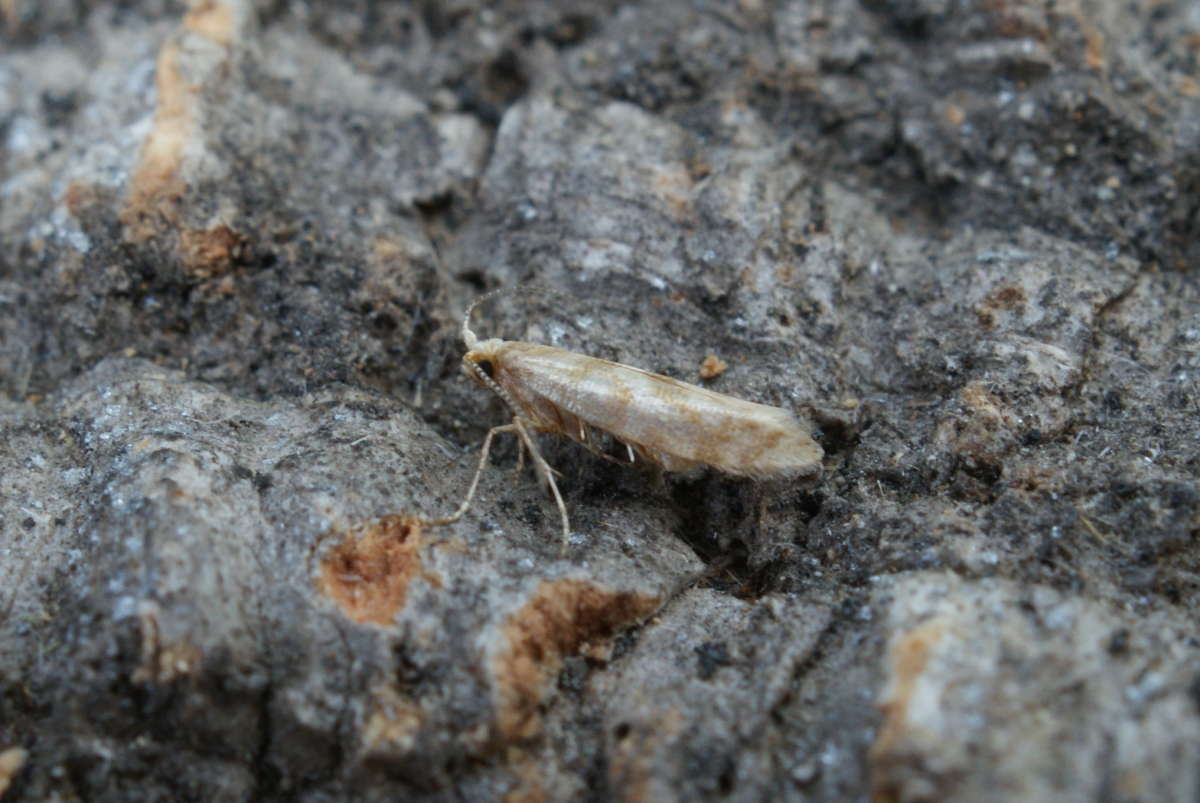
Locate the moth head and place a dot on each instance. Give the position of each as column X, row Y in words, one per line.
column 482, row 360
column 481, row 364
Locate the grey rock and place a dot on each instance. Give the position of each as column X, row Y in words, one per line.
column 238, row 240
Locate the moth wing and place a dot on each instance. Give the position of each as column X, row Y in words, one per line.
column 697, row 425
column 672, row 422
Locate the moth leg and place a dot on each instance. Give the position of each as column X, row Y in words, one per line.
column 547, row 476
column 520, row 456
column 521, row 460
column 483, row 456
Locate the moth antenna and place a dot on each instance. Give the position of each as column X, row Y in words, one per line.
column 468, row 337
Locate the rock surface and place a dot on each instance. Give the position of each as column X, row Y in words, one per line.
column 238, row 240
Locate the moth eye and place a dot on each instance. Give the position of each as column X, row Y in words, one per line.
column 487, row 367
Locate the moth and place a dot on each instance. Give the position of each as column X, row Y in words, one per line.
column 662, row 421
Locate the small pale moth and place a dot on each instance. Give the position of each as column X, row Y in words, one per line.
column 661, row 420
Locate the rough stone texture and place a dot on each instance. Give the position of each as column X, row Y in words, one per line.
column 237, row 242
